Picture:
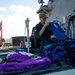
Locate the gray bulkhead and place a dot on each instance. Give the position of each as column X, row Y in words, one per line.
column 61, row 11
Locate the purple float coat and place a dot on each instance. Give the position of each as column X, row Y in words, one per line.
column 20, row 62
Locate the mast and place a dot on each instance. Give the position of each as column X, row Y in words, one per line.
column 27, row 28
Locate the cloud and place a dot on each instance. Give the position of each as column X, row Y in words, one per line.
column 14, row 21
column 2, row 9
column 21, row 9
column 1, row 17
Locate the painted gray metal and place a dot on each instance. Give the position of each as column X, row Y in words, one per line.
column 61, row 8
column 61, row 12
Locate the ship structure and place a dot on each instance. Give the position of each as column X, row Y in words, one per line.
column 61, row 11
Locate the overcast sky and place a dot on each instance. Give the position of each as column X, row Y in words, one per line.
column 13, row 14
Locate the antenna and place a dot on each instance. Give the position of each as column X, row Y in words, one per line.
column 40, row 2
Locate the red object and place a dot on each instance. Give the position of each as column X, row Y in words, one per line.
column 1, row 29
column 1, row 33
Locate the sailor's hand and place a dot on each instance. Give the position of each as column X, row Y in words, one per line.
column 46, row 24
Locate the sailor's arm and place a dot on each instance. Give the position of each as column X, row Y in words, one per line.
column 43, row 29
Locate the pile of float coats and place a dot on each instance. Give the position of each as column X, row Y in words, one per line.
column 20, row 62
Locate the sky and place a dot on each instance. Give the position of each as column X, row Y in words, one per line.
column 13, row 14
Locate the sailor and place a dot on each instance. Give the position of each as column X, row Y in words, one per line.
column 21, row 44
column 43, row 31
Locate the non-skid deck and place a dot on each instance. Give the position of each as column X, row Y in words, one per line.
column 51, row 70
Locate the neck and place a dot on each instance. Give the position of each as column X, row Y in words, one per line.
column 42, row 23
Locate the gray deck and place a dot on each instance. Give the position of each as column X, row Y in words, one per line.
column 66, row 72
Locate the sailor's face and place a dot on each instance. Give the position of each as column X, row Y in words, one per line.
column 43, row 20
